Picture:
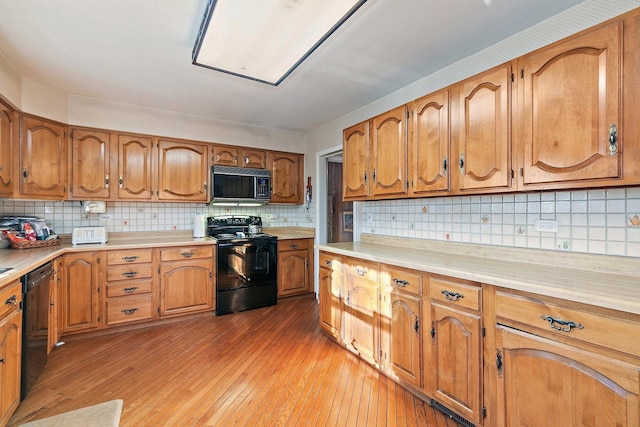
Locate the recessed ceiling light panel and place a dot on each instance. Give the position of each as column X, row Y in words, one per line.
column 266, row 40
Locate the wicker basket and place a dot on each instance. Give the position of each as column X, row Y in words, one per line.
column 35, row 244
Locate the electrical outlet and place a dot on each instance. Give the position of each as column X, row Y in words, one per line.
column 369, row 218
column 104, row 217
column 48, row 209
column 546, row 225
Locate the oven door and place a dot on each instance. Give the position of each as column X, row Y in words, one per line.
column 246, row 264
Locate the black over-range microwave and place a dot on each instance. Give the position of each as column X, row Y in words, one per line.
column 231, row 186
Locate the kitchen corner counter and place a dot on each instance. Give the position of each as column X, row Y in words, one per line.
column 22, row 261
column 606, row 281
column 285, row 233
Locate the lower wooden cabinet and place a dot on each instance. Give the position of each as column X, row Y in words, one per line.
column 295, row 266
column 79, row 292
column 330, row 294
column 186, row 280
column 10, row 349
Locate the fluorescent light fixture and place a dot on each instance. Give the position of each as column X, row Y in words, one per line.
column 266, row 40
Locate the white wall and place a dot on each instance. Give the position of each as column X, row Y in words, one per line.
column 9, row 82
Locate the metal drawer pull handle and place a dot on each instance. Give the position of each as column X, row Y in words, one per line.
column 361, row 271
column 328, row 263
column 613, row 140
column 130, row 310
column 130, row 273
column 129, row 258
column 12, row 301
column 131, row 289
column 452, row 296
column 294, row 246
column 400, row 283
column 187, row 254
column 560, row 324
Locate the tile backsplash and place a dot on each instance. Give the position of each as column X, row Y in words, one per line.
column 138, row 216
column 602, row 221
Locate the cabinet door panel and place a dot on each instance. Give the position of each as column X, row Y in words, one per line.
column 225, row 156
column 361, row 318
column 293, row 272
column 541, row 377
column 355, row 162
column 330, row 302
column 186, row 286
column 286, row 177
column 389, row 156
column 6, row 151
column 90, row 165
column 405, row 351
column 484, row 140
column 429, row 160
column 253, row 158
column 135, row 168
column 10, row 351
column 571, row 98
column 80, row 301
column 182, row 172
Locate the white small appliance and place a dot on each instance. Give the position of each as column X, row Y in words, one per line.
column 199, row 226
column 87, row 235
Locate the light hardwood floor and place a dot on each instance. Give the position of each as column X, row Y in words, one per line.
column 264, row 367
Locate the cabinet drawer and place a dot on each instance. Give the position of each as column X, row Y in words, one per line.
column 10, row 298
column 402, row 280
column 187, row 252
column 118, row 289
column 567, row 321
column 362, row 268
column 330, row 260
column 460, row 294
column 128, row 272
column 293, row 244
column 134, row 256
column 129, row 309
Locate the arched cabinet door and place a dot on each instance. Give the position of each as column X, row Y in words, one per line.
column 355, row 163
column 183, row 173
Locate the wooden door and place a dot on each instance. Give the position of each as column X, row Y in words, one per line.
column 355, row 162
column 43, row 154
column 389, row 153
column 286, row 177
column 225, row 156
column 135, row 168
column 360, row 321
column 186, row 287
column 455, row 356
column 404, row 358
column 545, row 383
column 183, row 172
column 571, row 96
column 10, row 351
column 483, row 128
column 330, row 292
column 252, row 158
column 429, row 158
column 6, row 151
column 90, row 169
column 293, row 272
column 80, row 298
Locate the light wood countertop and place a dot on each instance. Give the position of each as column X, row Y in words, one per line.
column 606, row 281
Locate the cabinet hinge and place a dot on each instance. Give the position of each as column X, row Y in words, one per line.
column 407, row 185
column 512, row 80
column 484, row 331
column 522, row 73
column 512, row 174
column 484, row 412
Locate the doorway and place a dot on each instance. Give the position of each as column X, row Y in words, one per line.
column 339, row 213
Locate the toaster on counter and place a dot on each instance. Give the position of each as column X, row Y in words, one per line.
column 86, row 235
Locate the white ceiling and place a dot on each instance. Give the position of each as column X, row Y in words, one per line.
column 139, row 52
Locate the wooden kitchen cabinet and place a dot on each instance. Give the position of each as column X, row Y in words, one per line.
column 389, row 154
column 286, row 177
column 225, row 155
column 252, row 158
column 570, row 108
column 453, row 351
column 43, row 159
column 186, row 280
column 295, row 266
column 135, row 168
column 481, row 131
column 183, row 171
column 361, row 323
column 80, row 287
column 130, row 294
column 91, row 177
column 429, row 145
column 355, row 162
column 6, row 150
column 10, row 349
column 401, row 324
column 330, row 294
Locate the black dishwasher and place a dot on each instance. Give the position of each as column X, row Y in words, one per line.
column 35, row 324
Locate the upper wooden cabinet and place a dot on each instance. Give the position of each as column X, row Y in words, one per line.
column 251, row 158
column 389, row 153
column 355, row 162
column 429, row 158
column 6, row 151
column 481, row 131
column 570, row 112
column 286, row 177
column 43, row 159
column 183, row 172
column 90, row 164
column 225, row 156
column 135, row 168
